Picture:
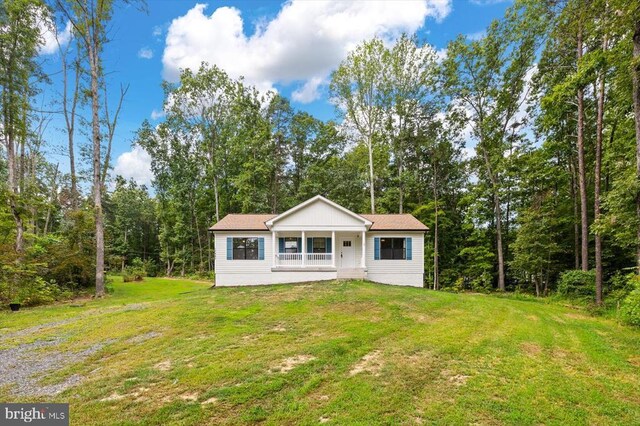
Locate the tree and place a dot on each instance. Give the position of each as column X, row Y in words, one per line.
column 489, row 78
column 359, row 92
column 19, row 41
column 89, row 19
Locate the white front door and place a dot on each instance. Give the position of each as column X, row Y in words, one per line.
column 347, row 253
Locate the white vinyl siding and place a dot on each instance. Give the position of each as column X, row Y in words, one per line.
column 318, row 213
column 257, row 272
column 400, row 272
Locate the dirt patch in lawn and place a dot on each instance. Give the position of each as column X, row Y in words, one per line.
column 531, row 349
column 370, row 363
column 189, row 396
column 211, row 400
column 290, row 363
column 635, row 361
column 454, row 378
column 163, row 366
column 24, row 366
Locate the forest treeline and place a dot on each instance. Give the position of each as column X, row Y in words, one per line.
column 519, row 149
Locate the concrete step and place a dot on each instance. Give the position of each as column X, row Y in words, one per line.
column 352, row 274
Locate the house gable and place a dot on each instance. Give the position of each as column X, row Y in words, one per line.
column 318, row 212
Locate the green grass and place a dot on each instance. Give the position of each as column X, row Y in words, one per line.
column 432, row 357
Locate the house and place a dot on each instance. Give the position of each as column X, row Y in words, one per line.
column 319, row 240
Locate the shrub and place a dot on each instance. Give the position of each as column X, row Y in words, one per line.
column 577, row 284
column 619, row 287
column 134, row 272
column 630, row 308
column 39, row 292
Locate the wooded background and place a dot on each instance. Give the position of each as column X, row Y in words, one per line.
column 520, row 150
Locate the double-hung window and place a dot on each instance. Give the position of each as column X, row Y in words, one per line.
column 319, row 245
column 291, row 245
column 245, row 248
column 393, row 248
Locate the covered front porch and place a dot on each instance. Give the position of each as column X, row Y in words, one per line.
column 318, row 250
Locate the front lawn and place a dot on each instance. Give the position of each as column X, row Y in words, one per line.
column 170, row 351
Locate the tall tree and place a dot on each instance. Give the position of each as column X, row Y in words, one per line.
column 489, row 77
column 359, row 91
column 19, row 41
column 89, row 19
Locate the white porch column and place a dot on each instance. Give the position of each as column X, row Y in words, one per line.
column 333, row 249
column 274, row 259
column 364, row 251
column 304, row 249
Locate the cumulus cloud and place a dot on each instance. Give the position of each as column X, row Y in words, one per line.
column 48, row 31
column 156, row 115
column 488, row 2
column 309, row 92
column 301, row 45
column 478, row 35
column 136, row 165
column 145, row 53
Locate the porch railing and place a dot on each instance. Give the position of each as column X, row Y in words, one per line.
column 311, row 259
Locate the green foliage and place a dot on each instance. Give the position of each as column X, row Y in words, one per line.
column 136, row 271
column 577, row 284
column 630, row 308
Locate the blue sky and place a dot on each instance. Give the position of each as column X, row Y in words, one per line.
column 287, row 46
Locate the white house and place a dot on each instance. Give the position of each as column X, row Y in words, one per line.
column 319, row 240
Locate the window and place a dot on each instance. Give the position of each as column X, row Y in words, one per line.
column 319, row 245
column 346, row 243
column 392, row 248
column 245, row 248
column 291, row 245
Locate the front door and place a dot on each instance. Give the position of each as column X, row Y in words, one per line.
column 347, row 253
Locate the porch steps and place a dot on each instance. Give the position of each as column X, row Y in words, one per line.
column 352, row 274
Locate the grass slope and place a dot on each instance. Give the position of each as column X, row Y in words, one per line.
column 336, row 352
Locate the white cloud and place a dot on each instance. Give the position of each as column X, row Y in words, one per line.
column 441, row 54
column 157, row 31
column 136, row 165
column 309, row 91
column 488, row 2
column 155, row 114
column 48, row 30
column 302, row 44
column 145, row 53
column 478, row 35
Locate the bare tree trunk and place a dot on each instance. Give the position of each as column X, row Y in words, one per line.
column 52, row 199
column 371, row 182
column 97, row 181
column 436, row 272
column 501, row 279
column 13, row 191
column 498, row 218
column 111, row 128
column 582, row 176
column 597, row 178
column 401, row 190
column 216, row 196
column 576, row 217
column 124, row 256
column 69, row 113
column 636, row 111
